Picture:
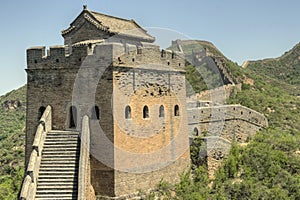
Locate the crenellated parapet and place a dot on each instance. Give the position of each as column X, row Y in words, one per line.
column 220, row 126
column 122, row 55
column 215, row 118
column 55, row 56
column 232, row 112
column 149, row 56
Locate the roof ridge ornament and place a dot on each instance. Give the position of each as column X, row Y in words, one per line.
column 84, row 7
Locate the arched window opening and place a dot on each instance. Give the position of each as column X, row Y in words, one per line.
column 127, row 112
column 161, row 111
column 176, row 110
column 163, row 53
column 146, row 112
column 95, row 113
column 196, row 132
column 73, row 117
column 41, row 112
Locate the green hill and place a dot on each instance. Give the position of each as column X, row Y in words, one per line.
column 284, row 70
column 12, row 140
column 269, row 167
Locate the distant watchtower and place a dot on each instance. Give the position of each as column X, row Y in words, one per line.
column 134, row 94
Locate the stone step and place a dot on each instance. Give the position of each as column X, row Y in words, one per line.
column 59, row 146
column 58, row 174
column 53, row 198
column 57, row 187
column 60, row 155
column 56, row 193
column 50, row 197
column 58, row 161
column 61, row 191
column 60, row 143
column 63, row 183
column 65, row 178
column 66, row 166
column 72, row 152
column 61, row 150
column 61, row 179
column 62, row 132
column 61, row 138
column 59, row 169
column 59, row 164
column 70, row 140
column 57, row 181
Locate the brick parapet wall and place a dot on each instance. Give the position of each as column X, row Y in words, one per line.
column 124, row 55
column 220, row 126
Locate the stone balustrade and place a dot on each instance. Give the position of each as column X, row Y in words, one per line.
column 30, row 182
column 84, row 181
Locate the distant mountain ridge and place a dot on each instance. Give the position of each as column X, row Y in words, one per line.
column 285, row 69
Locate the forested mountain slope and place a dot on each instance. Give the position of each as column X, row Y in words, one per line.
column 12, row 140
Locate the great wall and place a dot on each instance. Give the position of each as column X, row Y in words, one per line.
column 210, row 118
column 108, row 115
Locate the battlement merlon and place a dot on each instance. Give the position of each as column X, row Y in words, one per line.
column 35, row 54
column 123, row 55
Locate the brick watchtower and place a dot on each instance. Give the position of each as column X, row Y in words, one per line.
column 133, row 93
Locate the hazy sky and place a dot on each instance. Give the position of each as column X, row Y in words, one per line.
column 241, row 29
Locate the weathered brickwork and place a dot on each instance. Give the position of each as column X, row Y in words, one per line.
column 135, row 96
column 220, row 126
column 158, row 141
column 89, row 72
column 216, row 119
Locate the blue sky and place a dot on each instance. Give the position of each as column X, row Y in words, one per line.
column 241, row 29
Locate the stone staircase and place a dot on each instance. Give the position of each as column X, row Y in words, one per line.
column 58, row 175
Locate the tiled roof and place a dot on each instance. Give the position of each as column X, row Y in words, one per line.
column 121, row 26
column 113, row 25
